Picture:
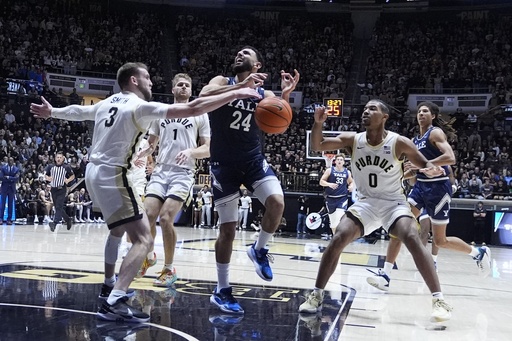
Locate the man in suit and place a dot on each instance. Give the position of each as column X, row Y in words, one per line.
column 9, row 174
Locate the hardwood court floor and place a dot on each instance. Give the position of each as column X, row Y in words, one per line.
column 49, row 284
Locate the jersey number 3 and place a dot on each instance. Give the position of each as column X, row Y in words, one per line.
column 113, row 112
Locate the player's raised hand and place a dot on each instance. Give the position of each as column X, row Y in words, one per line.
column 254, row 80
column 288, row 83
column 408, row 165
column 320, row 114
column 41, row 110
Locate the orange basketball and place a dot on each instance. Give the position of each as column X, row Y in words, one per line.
column 273, row 115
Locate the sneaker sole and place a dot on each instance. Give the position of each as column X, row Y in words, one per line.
column 440, row 318
column 486, row 261
column 224, row 309
column 118, row 318
column 252, row 257
column 375, row 283
column 166, row 284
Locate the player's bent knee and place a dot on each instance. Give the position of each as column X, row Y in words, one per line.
column 275, row 203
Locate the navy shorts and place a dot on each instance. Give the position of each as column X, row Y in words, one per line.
column 434, row 197
column 333, row 204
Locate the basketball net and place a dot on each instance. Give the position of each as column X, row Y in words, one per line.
column 328, row 157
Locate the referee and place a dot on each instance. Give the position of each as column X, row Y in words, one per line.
column 59, row 175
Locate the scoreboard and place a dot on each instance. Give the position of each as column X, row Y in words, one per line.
column 334, row 107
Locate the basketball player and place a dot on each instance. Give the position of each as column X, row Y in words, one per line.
column 120, row 122
column 244, row 210
column 173, row 177
column 433, row 195
column 236, row 159
column 337, row 181
column 377, row 156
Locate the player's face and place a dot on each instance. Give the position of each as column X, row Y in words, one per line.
column 340, row 161
column 372, row 114
column 182, row 90
column 245, row 61
column 144, row 84
column 424, row 116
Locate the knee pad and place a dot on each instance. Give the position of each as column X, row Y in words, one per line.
column 112, row 249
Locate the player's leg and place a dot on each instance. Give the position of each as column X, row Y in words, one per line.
column 349, row 229
column 425, row 228
column 405, row 229
column 268, row 191
column 168, row 214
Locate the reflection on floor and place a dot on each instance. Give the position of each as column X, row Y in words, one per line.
column 49, row 284
column 62, row 299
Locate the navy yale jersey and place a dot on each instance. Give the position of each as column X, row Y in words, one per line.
column 376, row 170
column 430, row 152
column 340, row 178
column 235, row 136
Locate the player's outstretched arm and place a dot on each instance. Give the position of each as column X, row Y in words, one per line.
column 321, row 143
column 206, row 104
column 71, row 112
column 219, row 85
column 288, row 83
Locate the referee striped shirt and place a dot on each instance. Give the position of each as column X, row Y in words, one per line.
column 58, row 174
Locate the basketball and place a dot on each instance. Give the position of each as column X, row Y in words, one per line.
column 313, row 221
column 273, row 115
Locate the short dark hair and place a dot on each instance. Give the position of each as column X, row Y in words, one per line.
column 128, row 70
column 383, row 105
column 259, row 56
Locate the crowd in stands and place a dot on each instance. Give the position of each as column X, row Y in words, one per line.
column 432, row 54
column 46, row 36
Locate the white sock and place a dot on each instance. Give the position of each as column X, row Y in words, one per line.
column 110, row 281
column 434, row 257
column 474, row 252
column 319, row 291
column 388, row 267
column 438, row 295
column 115, row 295
column 222, row 276
column 169, row 266
column 263, row 239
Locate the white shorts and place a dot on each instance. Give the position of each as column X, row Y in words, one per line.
column 170, row 182
column 112, row 192
column 227, row 207
column 374, row 213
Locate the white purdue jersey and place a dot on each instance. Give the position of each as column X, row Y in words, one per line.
column 376, row 170
column 178, row 134
column 120, row 122
column 138, row 174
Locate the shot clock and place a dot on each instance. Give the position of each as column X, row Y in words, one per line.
column 334, row 106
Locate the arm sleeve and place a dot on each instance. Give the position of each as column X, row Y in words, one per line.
column 150, row 111
column 76, row 112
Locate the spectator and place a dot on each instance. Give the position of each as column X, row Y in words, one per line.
column 479, row 215
column 9, row 175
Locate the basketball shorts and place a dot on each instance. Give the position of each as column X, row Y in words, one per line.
column 434, row 198
column 256, row 175
column 374, row 213
column 333, row 204
column 171, row 182
column 113, row 194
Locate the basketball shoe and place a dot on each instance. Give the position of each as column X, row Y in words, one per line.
column 106, row 290
column 225, row 301
column 313, row 303
column 313, row 323
column 261, row 259
column 380, row 280
column 166, row 278
column 225, row 324
column 483, row 261
column 121, row 311
column 108, row 330
column 441, row 311
column 146, row 265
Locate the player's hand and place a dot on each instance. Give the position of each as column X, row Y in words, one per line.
column 144, row 152
column 408, row 165
column 150, row 168
column 288, row 83
column 138, row 163
column 333, row 186
column 182, row 157
column 432, row 172
column 247, row 93
column 320, row 114
column 254, row 80
column 41, row 110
